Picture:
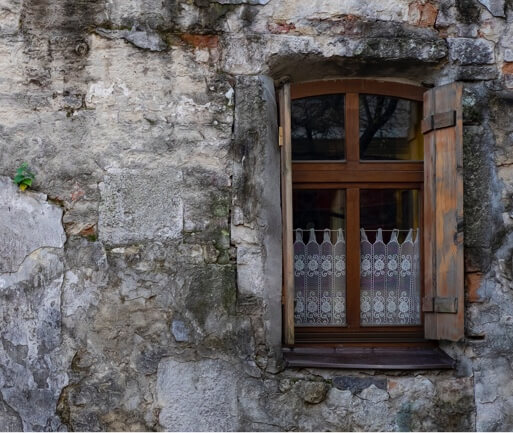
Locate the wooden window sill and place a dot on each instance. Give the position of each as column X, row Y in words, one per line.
column 382, row 358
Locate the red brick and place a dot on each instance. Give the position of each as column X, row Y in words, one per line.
column 424, row 14
column 280, row 26
column 507, row 68
column 201, row 41
column 472, row 285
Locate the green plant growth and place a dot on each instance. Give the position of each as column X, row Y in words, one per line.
column 24, row 177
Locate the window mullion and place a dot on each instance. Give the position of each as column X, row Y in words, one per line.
column 352, row 127
column 353, row 258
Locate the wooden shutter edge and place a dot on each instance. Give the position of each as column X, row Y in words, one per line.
column 286, row 205
column 444, row 313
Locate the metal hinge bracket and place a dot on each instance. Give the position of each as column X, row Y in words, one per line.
column 440, row 304
column 438, row 121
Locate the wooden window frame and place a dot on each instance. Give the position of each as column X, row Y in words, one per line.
column 350, row 174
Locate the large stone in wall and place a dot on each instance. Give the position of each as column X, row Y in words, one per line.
column 496, row 7
column 469, row 51
column 256, row 212
column 9, row 418
column 307, row 58
column 33, row 369
column 28, row 222
column 197, row 395
column 139, row 205
column 32, row 363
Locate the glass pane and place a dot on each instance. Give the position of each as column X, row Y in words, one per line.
column 318, row 130
column 319, row 257
column 390, row 258
column 390, row 129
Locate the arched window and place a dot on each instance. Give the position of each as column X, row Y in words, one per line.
column 357, row 176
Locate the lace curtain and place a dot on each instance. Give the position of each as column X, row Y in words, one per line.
column 389, row 279
column 320, row 279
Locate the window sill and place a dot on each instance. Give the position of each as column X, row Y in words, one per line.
column 382, row 358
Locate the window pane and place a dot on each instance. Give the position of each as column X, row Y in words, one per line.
column 319, row 257
column 390, row 258
column 390, row 129
column 318, row 130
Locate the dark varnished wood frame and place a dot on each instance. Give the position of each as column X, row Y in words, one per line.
column 353, row 175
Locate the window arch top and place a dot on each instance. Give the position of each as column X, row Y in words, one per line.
column 376, row 87
column 356, row 120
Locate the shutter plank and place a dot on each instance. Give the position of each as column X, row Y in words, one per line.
column 443, row 213
column 286, row 203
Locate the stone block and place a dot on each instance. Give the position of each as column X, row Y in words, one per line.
column 28, row 222
column 476, row 73
column 312, row 392
column 179, row 331
column 197, row 395
column 357, row 384
column 9, row 418
column 386, row 48
column 250, row 271
column 422, row 14
column 469, row 51
column 374, row 394
column 140, row 205
column 496, row 7
column 33, row 365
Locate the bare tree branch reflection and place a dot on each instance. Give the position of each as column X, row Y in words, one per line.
column 318, row 127
column 384, row 108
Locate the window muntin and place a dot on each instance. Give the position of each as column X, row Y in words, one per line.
column 358, row 177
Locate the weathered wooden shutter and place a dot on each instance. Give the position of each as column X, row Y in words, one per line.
column 286, row 203
column 443, row 301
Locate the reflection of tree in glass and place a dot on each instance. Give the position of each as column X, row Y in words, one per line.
column 383, row 109
column 315, row 122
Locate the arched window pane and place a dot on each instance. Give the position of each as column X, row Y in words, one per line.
column 390, row 129
column 318, row 129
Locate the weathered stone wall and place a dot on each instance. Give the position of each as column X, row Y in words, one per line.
column 140, row 284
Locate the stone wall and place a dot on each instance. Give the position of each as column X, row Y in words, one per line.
column 140, row 283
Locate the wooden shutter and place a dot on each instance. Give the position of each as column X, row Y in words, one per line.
column 443, row 301
column 286, row 207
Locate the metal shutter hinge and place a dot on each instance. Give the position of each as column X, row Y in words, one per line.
column 440, row 304
column 438, row 121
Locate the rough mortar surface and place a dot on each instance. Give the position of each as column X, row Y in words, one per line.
column 140, row 278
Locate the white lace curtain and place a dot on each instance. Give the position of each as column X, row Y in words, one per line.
column 320, row 279
column 389, row 279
